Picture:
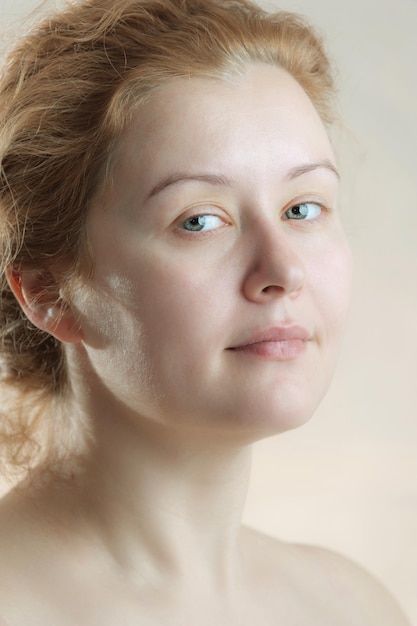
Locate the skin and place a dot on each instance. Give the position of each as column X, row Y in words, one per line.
column 153, row 510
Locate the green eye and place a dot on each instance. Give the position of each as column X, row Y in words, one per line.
column 200, row 223
column 304, row 211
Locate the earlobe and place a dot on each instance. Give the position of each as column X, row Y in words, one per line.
column 39, row 297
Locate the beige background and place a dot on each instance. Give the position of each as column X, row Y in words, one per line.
column 348, row 480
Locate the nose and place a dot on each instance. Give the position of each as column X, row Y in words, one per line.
column 275, row 267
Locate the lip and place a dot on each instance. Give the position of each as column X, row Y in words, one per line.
column 278, row 343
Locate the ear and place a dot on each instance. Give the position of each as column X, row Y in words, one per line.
column 39, row 296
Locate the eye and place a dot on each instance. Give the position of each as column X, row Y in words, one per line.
column 199, row 223
column 303, row 211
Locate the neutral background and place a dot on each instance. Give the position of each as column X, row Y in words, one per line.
column 348, row 480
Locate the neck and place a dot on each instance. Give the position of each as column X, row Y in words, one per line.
column 175, row 500
column 161, row 499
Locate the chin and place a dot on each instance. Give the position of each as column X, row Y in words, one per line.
column 259, row 420
column 274, row 423
column 290, row 402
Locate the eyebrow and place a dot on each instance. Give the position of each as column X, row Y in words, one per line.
column 219, row 179
column 299, row 170
column 179, row 177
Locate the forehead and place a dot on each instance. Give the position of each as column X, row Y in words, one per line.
column 261, row 120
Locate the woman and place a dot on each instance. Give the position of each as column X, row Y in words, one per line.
column 175, row 280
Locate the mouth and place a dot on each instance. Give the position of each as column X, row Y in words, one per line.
column 281, row 343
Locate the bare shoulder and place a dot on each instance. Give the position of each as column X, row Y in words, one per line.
column 11, row 557
column 19, row 561
column 335, row 589
column 7, row 567
column 357, row 589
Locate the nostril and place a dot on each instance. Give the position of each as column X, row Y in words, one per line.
column 271, row 288
column 275, row 270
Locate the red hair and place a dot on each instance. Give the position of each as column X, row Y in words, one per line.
column 67, row 91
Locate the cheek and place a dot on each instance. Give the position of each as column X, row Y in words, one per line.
column 158, row 306
column 343, row 275
column 333, row 279
column 113, row 353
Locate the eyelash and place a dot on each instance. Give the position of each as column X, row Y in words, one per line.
column 299, row 206
column 202, row 217
column 302, row 217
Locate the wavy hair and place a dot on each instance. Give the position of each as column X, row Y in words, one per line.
column 67, row 91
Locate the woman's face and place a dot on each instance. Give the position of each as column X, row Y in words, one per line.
column 221, row 268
